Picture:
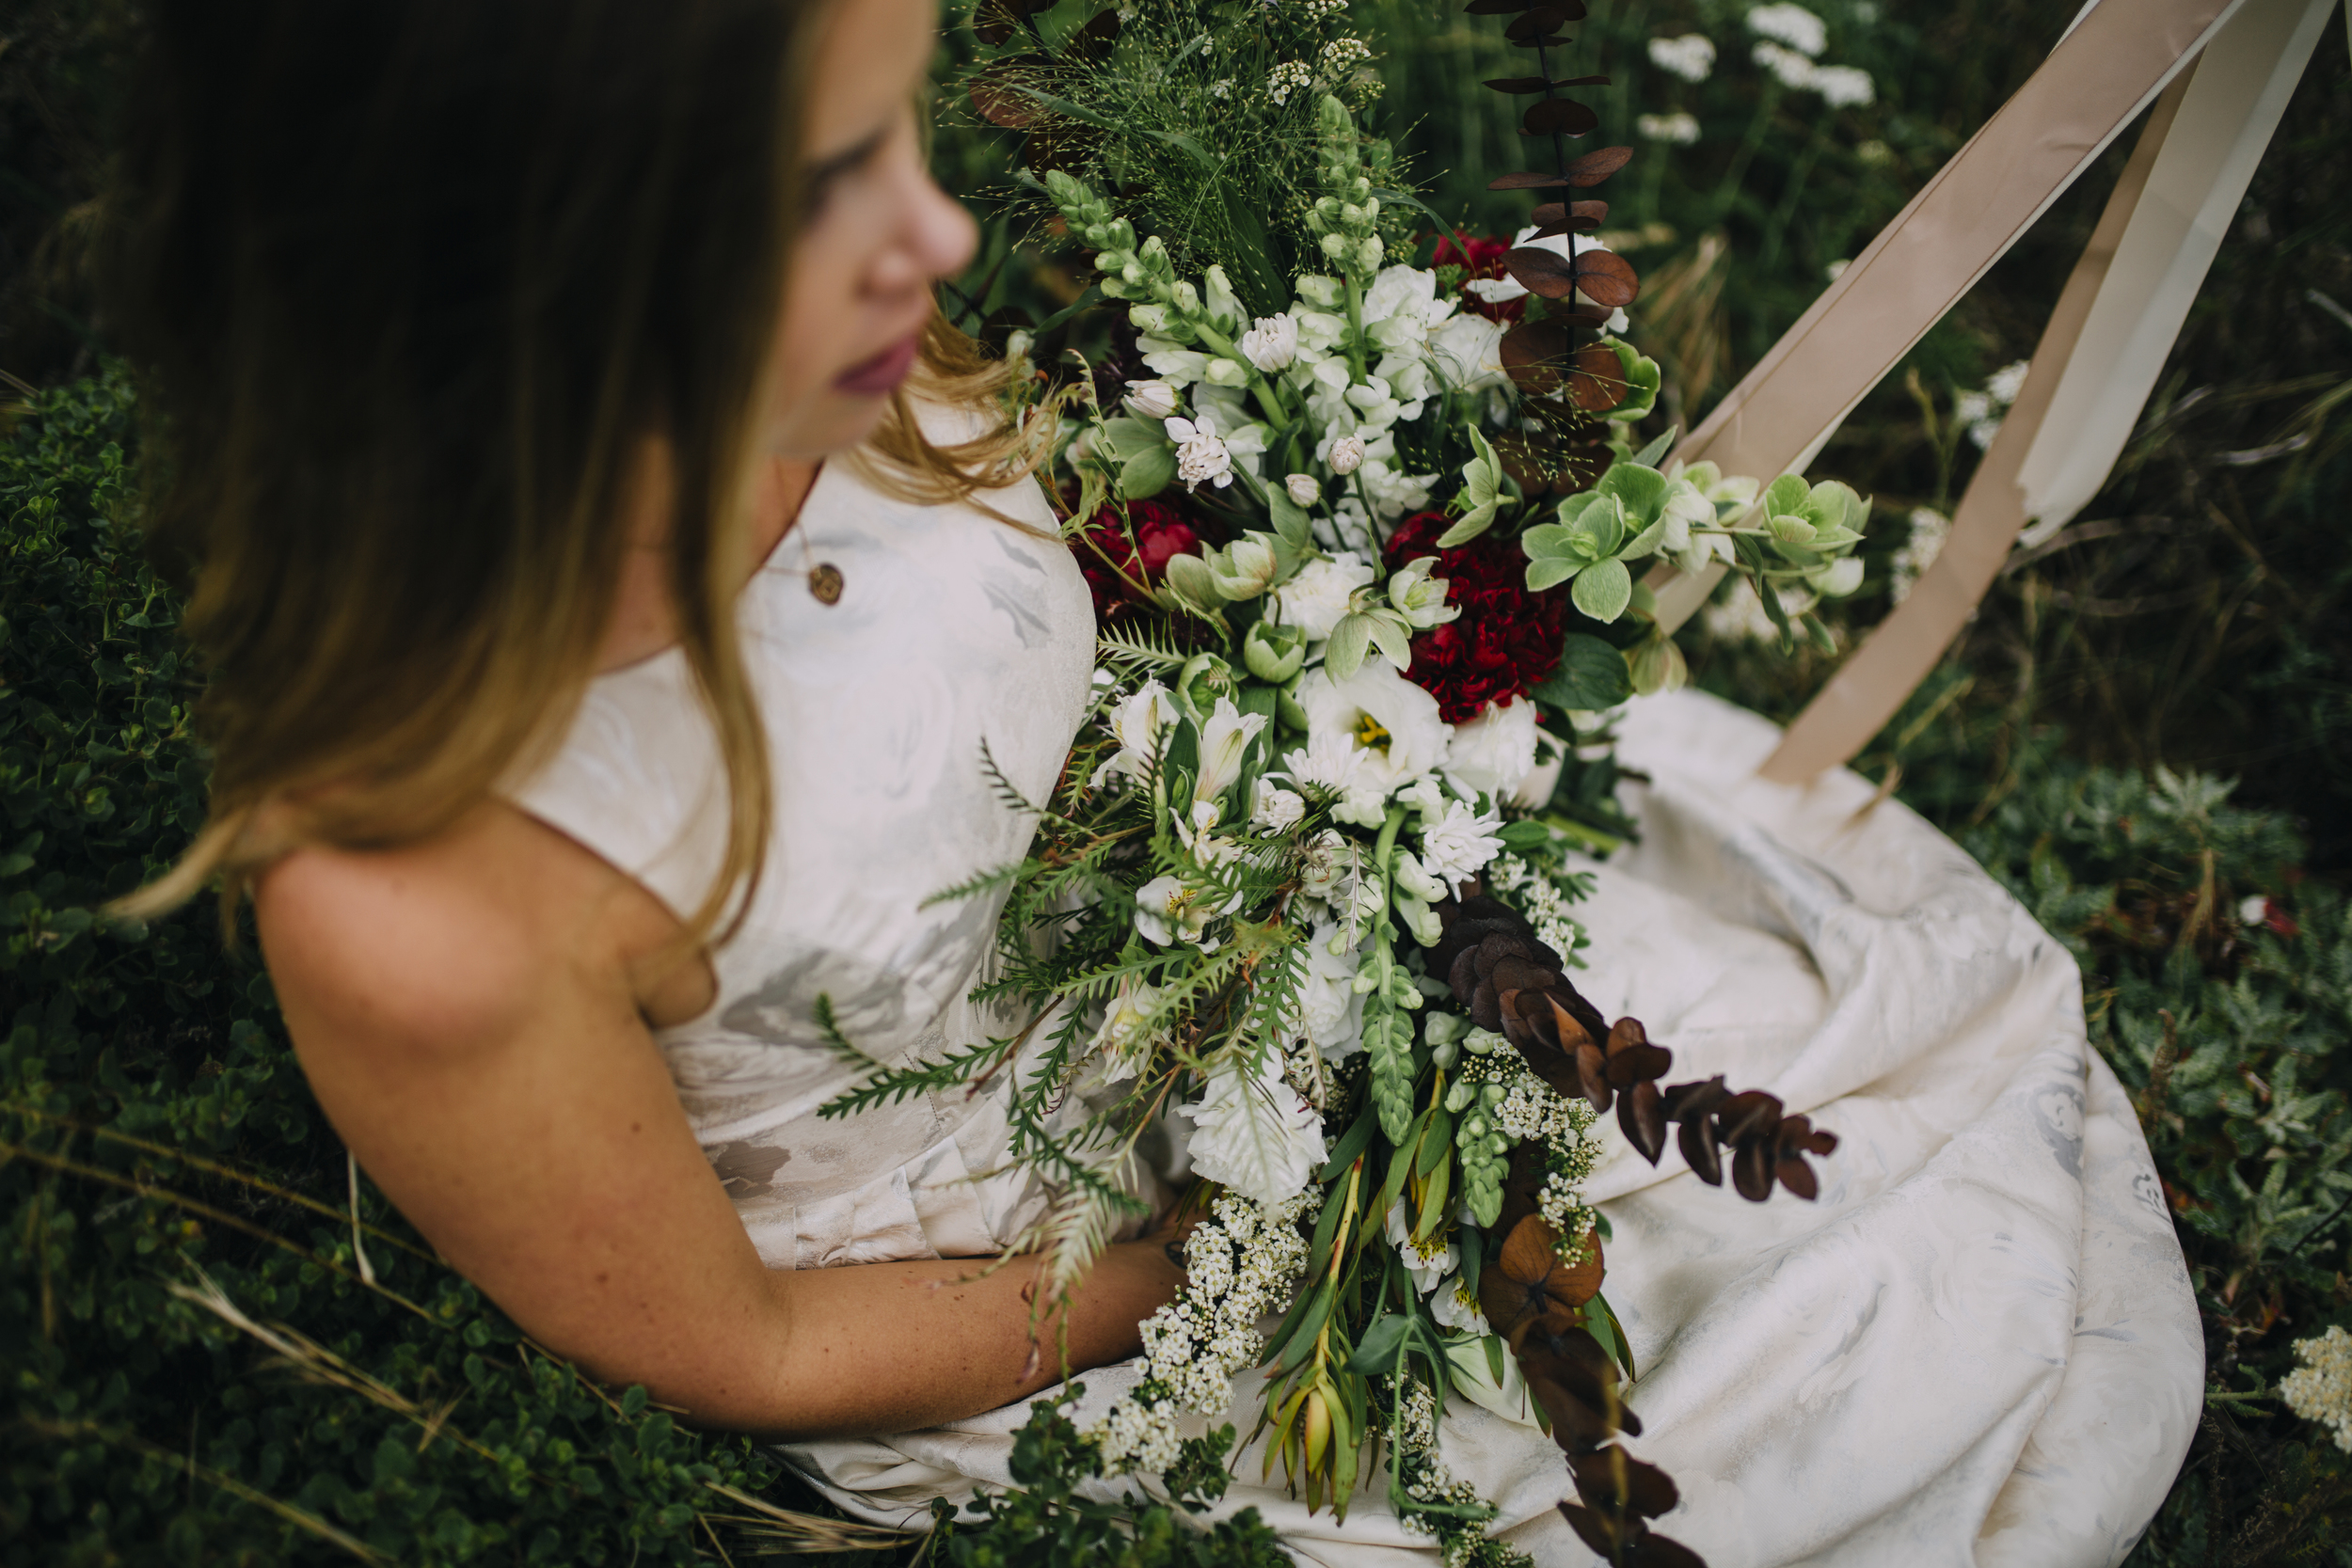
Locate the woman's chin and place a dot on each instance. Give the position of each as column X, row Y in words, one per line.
column 843, row 421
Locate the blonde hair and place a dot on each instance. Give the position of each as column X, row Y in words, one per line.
column 409, row 285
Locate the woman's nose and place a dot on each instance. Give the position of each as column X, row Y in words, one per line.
column 935, row 238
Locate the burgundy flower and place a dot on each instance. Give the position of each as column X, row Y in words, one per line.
column 1506, row 640
column 1479, row 258
column 1160, row 533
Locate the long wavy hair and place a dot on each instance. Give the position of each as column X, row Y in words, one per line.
column 408, row 284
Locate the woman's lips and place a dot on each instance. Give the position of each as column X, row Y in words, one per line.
column 873, row 378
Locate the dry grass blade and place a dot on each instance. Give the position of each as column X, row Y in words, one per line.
column 804, row 1532
column 300, row 1518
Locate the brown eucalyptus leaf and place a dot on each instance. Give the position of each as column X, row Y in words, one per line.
column 1797, row 1176
column 1632, row 1059
column 1537, row 22
column 1592, row 1071
column 1749, row 1115
column 1752, row 1171
column 1597, row 383
column 1000, row 101
column 1699, row 1151
column 1531, row 354
column 1530, row 180
column 1691, row 1102
column 1563, row 116
column 1540, row 271
column 1653, row 1550
column 1495, row 8
column 1519, row 84
column 1581, row 81
column 1514, row 973
column 1642, row 1116
column 1529, row 1287
column 1582, row 466
column 1606, row 279
column 1597, row 165
column 1568, row 226
column 1592, row 1529
column 1615, row 1481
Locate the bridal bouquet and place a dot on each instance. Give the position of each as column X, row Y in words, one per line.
column 1364, row 555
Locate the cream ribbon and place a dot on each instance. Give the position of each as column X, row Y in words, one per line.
column 2107, row 340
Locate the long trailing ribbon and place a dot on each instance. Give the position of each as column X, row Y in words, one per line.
column 2104, row 345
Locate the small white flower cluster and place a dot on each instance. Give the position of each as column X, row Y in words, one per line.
column 1340, row 56
column 1241, row 1264
column 1289, row 77
column 1318, row 9
column 1791, row 25
column 1982, row 412
column 1792, row 39
column 1531, row 1108
column 1929, row 530
column 1425, row 1479
column 1545, row 903
column 2320, row 1390
column 1692, row 57
column 1570, row 1217
column 1678, row 129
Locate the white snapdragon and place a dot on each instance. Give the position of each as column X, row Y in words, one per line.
column 1275, row 810
column 1199, row 455
column 1252, row 1132
column 1272, row 344
column 1493, row 753
column 1692, row 57
column 1322, row 591
column 1151, row 400
column 1348, row 453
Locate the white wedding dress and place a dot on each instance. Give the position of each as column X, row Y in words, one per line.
column 1978, row 1347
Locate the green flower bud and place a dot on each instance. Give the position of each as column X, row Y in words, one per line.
column 1273, row 654
column 1459, row 1093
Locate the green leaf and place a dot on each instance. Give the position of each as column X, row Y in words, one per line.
column 1375, row 1352
column 1147, row 473
column 1124, row 437
column 1603, row 591
column 1289, row 518
column 1524, row 835
column 1548, row 541
column 1786, row 494
column 1354, row 1142
column 1550, row 574
column 1344, row 654
column 1639, row 489
column 1649, row 456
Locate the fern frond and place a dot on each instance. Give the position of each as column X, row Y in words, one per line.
column 889, row 1084
column 1143, row 648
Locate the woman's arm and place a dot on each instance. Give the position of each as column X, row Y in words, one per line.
column 468, row 1014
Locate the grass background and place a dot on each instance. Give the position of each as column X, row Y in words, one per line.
column 2188, row 628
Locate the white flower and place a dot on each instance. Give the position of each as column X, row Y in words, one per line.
column 1794, row 70
column 1332, row 1010
column 1324, row 861
column 1122, row 1040
column 1393, row 723
column 1408, row 296
column 1151, row 400
column 1271, row 345
column 1137, row 721
column 1277, row 810
column 1493, row 752
column 1166, row 907
column 1844, row 87
column 1456, row 848
column 1315, row 600
column 1253, row 1132
column 1287, row 78
column 1199, row 455
column 2320, row 1390
column 1334, row 761
column 1347, row 455
column 1455, row 1308
column 1494, row 291
column 1468, row 350
column 1414, row 876
column 1429, row 1261
column 1305, row 489
column 1692, row 57
column 1224, row 742
column 1675, row 130
column 1793, row 26
column 2007, row 382
column 1179, row 367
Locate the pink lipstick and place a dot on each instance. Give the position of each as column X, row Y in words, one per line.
column 873, row 378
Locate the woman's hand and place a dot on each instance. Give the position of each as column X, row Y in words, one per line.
column 466, row 1012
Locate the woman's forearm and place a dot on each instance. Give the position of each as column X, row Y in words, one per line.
column 890, row 1347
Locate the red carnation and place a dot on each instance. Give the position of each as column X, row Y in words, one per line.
column 1506, row 640
column 1160, row 533
column 1480, row 258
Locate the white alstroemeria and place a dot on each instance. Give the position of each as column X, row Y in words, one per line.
column 1167, row 910
column 1303, row 490
column 1224, row 742
column 1692, row 57
column 1253, row 1132
column 1348, row 455
column 1123, row 1041
column 1151, row 400
column 1275, row 810
column 1138, row 723
column 1330, row 761
column 1468, row 353
column 1175, row 365
column 1419, row 598
column 1199, row 455
column 1493, row 753
column 1393, row 723
column 1791, row 25
column 1457, row 847
column 1330, row 1009
column 1272, row 344
column 1455, row 1308
column 1429, row 1262
column 1323, row 590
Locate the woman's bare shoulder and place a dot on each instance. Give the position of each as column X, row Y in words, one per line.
column 451, row 943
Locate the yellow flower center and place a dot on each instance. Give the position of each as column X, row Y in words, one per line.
column 1369, row 734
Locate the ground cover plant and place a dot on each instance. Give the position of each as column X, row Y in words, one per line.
column 407, row 1420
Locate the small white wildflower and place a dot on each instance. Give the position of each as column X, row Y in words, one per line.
column 1793, row 26
column 1929, row 530
column 1794, row 70
column 1844, row 87
column 1221, row 89
column 1677, row 130
column 1692, row 57
column 1199, row 454
column 1340, row 56
column 1287, row 78
column 2006, row 383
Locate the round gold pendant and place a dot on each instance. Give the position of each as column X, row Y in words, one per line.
column 824, row 581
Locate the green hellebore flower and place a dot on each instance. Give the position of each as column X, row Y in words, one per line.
column 1244, row 568
column 1273, row 652
column 1205, row 678
column 1419, row 597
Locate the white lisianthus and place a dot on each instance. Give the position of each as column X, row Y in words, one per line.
column 1315, row 600
column 1151, row 400
column 1468, row 353
column 1493, row 752
column 1429, row 1262
column 1224, row 741
column 1275, row 810
column 1253, row 1132
column 1392, row 722
column 1348, row 455
column 1199, row 455
column 1455, row 847
column 1272, row 344
column 1167, row 912
column 1137, row 721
